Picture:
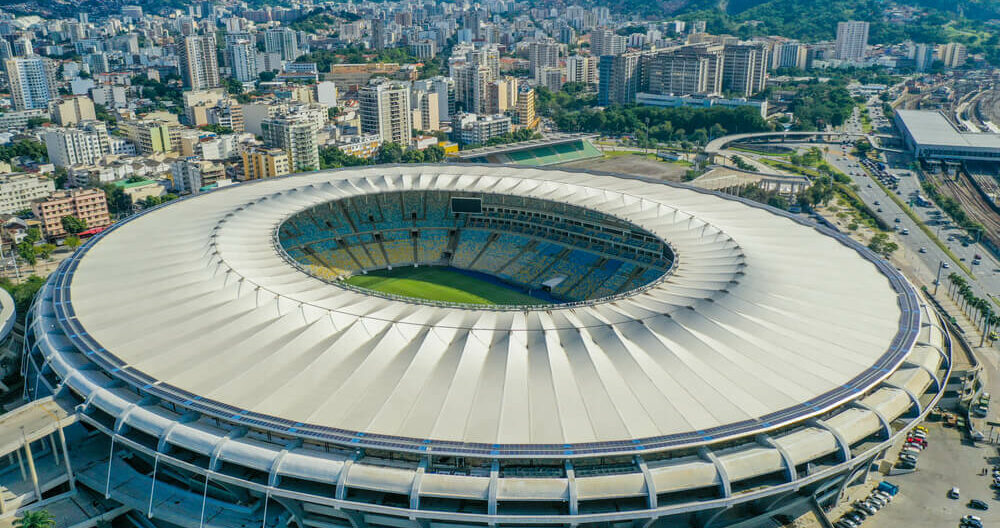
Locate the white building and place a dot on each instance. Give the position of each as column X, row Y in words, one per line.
column 17, row 191
column 74, row 146
column 852, row 40
column 243, row 60
column 283, row 42
column 32, row 82
column 472, row 129
column 384, row 107
column 326, row 93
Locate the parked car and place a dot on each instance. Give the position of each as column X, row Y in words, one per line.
column 978, row 504
column 953, row 493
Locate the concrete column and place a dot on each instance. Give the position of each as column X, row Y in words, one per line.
column 31, row 468
column 20, row 464
column 69, row 468
column 55, row 452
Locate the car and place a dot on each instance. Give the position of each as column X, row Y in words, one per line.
column 864, row 507
column 915, row 445
column 978, row 504
column 923, row 250
column 976, row 262
column 897, row 220
column 879, row 501
column 977, row 256
column 971, row 517
column 908, row 457
column 882, row 495
column 860, row 513
column 876, row 202
column 905, row 232
column 879, row 210
column 915, row 440
column 954, row 493
column 972, row 524
column 946, row 265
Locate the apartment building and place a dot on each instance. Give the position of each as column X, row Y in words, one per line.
column 88, row 205
column 260, row 163
column 71, row 110
column 19, row 190
column 85, row 145
column 384, row 108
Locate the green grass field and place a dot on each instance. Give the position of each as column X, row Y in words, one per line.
column 439, row 284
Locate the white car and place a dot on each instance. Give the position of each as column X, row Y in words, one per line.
column 953, row 493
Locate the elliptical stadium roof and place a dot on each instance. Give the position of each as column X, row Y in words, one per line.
column 764, row 321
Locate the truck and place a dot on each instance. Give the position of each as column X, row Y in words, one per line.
column 888, row 487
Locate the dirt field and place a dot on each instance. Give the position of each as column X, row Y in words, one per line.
column 635, row 164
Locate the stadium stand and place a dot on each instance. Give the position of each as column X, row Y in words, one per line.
column 524, row 242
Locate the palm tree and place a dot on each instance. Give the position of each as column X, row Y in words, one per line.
column 35, row 519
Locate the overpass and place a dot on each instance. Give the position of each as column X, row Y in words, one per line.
column 719, row 145
column 731, row 179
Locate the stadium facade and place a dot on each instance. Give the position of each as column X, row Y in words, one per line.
column 746, row 366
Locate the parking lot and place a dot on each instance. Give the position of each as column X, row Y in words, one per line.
column 923, row 494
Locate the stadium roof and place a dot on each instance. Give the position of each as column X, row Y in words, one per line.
column 553, row 138
column 932, row 128
column 764, row 321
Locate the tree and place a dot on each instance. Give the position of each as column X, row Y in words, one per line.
column 73, row 225
column 26, row 250
column 72, row 242
column 390, row 153
column 45, row 251
column 35, row 519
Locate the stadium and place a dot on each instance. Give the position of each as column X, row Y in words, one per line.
column 474, row 345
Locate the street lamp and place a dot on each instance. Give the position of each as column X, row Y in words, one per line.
column 937, row 281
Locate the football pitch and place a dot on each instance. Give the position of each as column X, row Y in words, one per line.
column 440, row 284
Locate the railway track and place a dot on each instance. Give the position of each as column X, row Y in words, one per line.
column 972, row 203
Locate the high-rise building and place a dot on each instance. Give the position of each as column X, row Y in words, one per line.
column 151, row 136
column 296, row 134
column 32, row 82
column 243, row 60
column 603, row 41
column 326, row 93
column 551, row 78
column 694, row 69
column 19, row 190
column 199, row 65
column 423, row 49
column 472, row 129
column 378, row 33
column 923, row 57
column 789, row 55
column 71, row 110
column 282, row 41
column 852, row 40
column 444, row 87
column 192, row 174
column 502, row 95
column 526, row 107
column 23, row 47
column 488, row 57
column 618, row 78
column 424, row 107
column 953, row 54
column 470, row 87
column 542, row 54
column 260, row 163
column 581, row 69
column 77, row 146
column 744, row 69
column 384, row 107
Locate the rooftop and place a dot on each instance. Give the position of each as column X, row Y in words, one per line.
column 932, row 128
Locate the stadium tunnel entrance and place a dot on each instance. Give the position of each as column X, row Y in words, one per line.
column 478, row 249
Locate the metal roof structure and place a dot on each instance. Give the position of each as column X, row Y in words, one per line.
column 194, row 303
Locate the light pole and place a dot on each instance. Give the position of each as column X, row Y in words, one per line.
column 937, row 281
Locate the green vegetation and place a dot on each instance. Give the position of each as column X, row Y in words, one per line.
column 741, row 164
column 24, row 147
column 516, row 136
column 324, row 59
column 35, row 519
column 983, row 312
column 816, row 105
column 439, row 284
column 573, row 96
column 881, row 244
column 315, row 21
column 665, row 124
column 73, row 225
column 160, row 92
column 758, row 194
column 216, row 128
column 952, row 207
column 23, row 292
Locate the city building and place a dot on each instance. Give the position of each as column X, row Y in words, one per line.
column 581, row 69
column 326, row 93
column 424, row 106
column 931, row 136
column 32, row 82
column 19, row 190
column 551, row 78
column 699, row 101
column 444, row 87
column 790, row 54
column 199, row 63
column 618, row 78
column 744, row 69
column 193, row 174
column 296, row 135
column 89, row 205
column 473, row 129
column 852, row 40
column 526, row 108
column 152, row 135
column 243, row 60
column 471, row 92
column 282, row 41
column 695, row 69
column 384, row 107
column 85, row 145
column 260, row 163
column 363, row 146
column 923, row 57
column 953, row 54
column 541, row 55
column 604, row 41
column 423, row 49
column 69, row 111
column 501, row 96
